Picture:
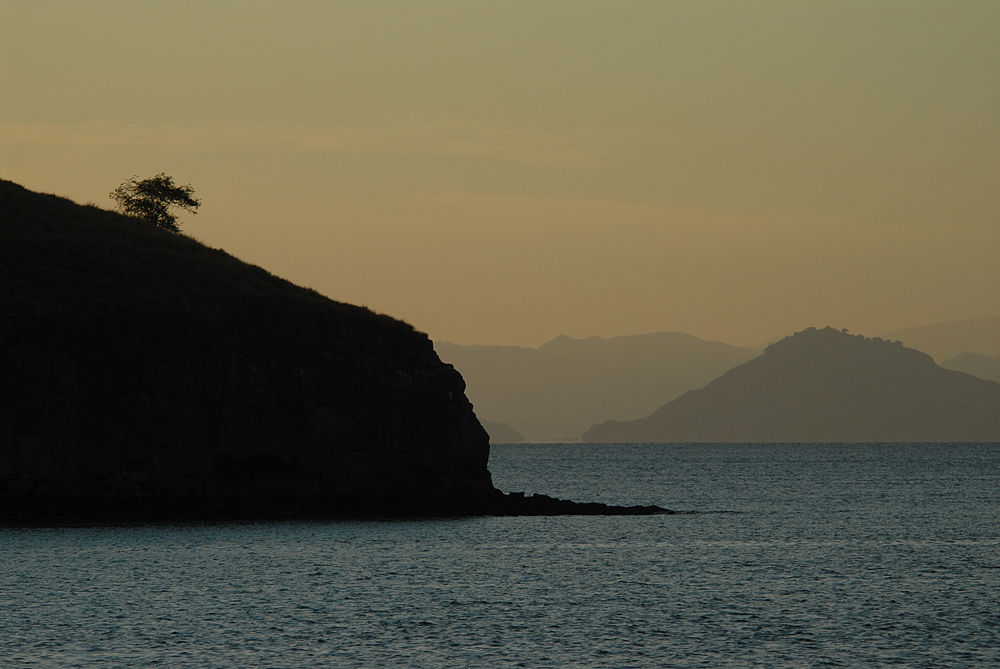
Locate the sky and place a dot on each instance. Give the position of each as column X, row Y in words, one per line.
column 506, row 172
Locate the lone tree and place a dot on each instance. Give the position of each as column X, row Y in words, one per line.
column 151, row 200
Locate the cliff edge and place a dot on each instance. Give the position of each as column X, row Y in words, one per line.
column 144, row 375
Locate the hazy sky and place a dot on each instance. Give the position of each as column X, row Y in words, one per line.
column 504, row 172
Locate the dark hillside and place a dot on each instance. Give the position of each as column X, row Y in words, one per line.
column 139, row 368
column 145, row 376
column 65, row 263
column 825, row 386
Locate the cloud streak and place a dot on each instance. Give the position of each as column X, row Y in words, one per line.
column 433, row 136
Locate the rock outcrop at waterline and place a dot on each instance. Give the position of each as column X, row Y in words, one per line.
column 144, row 375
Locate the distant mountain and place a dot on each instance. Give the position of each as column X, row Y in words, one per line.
column 557, row 391
column 943, row 341
column 982, row 366
column 825, row 386
column 502, row 433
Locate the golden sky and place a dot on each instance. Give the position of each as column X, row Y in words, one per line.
column 504, row 172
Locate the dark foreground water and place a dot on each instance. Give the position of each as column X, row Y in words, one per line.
column 783, row 556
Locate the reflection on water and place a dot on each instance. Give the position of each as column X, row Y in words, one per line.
column 790, row 555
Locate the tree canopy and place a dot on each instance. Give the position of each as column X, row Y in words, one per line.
column 152, row 199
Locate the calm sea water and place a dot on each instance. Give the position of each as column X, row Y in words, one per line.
column 782, row 556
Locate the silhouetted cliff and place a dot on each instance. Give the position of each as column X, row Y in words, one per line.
column 145, row 375
column 825, row 386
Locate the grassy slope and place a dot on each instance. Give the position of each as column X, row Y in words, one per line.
column 84, row 267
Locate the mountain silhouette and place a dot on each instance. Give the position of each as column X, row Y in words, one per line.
column 825, row 386
column 557, row 391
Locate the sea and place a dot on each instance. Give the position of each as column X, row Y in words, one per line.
column 779, row 555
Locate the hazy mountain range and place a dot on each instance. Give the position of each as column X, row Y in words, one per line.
column 982, row 366
column 562, row 388
column 557, row 391
column 943, row 341
column 825, row 386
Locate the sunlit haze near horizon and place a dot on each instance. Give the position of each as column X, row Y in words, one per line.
column 505, row 172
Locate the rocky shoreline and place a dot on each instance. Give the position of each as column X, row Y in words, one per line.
column 44, row 511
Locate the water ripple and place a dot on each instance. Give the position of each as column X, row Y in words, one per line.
column 807, row 557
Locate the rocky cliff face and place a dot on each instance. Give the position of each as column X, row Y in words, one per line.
column 141, row 371
column 155, row 417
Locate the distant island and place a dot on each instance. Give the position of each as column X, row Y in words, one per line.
column 825, row 386
column 502, row 433
column 146, row 376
